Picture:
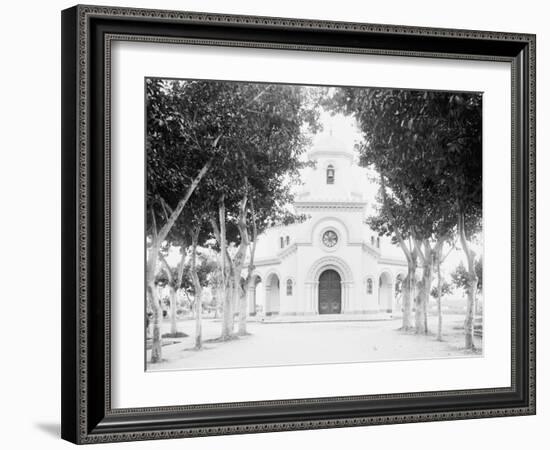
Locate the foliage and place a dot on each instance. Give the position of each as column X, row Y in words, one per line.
column 258, row 134
column 251, row 138
column 460, row 276
column 206, row 266
column 427, row 146
column 256, row 128
column 446, row 289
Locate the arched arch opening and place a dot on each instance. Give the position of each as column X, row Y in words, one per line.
column 330, row 174
column 289, row 287
column 254, row 303
column 370, row 285
column 312, row 281
column 385, row 292
column 330, row 292
column 272, row 295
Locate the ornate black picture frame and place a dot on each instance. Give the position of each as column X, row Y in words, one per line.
column 87, row 34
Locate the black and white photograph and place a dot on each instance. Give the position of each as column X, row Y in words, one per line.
column 275, row 225
column 293, row 224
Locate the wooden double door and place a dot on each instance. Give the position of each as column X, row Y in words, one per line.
column 330, row 293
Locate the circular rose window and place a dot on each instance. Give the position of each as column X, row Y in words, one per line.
column 330, row 238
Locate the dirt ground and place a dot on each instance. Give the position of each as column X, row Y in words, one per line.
column 276, row 344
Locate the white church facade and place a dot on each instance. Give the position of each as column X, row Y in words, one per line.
column 332, row 263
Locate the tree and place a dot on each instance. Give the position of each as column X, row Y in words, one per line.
column 462, row 279
column 245, row 142
column 461, row 121
column 402, row 143
column 442, row 288
column 265, row 210
column 195, row 266
column 176, row 238
column 460, row 276
column 197, row 285
column 258, row 174
column 426, row 146
column 386, row 222
column 177, row 161
column 169, row 277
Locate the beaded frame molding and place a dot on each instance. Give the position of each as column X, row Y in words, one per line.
column 87, row 35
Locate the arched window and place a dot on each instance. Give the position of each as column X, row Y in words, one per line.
column 369, row 286
column 330, row 174
column 289, row 287
column 378, row 242
column 372, row 241
column 287, row 240
column 282, row 242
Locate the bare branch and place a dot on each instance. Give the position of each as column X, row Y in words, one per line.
column 167, row 268
column 155, row 232
column 181, row 204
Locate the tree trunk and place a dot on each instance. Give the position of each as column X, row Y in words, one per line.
column 427, row 289
column 423, row 291
column 408, row 293
column 152, row 261
column 227, row 320
column 232, row 280
column 235, row 297
column 411, row 255
column 227, row 291
column 243, row 311
column 439, row 313
column 418, row 308
column 239, row 294
column 249, row 284
column 156, row 350
column 215, row 300
column 173, row 309
column 172, row 290
column 470, row 288
column 469, row 319
column 198, row 320
column 198, row 290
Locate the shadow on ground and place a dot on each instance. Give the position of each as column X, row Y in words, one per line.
column 53, row 429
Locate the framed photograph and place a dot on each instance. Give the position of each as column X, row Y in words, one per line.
column 279, row 224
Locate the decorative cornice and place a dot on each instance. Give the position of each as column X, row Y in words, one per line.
column 330, row 153
column 266, row 262
column 287, row 251
column 392, row 262
column 330, row 204
column 371, row 250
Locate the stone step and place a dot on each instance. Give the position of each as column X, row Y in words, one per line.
column 326, row 318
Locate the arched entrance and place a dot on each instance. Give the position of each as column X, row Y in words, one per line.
column 313, row 283
column 385, row 292
column 330, row 292
column 272, row 295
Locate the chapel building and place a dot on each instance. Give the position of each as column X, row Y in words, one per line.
column 332, row 263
